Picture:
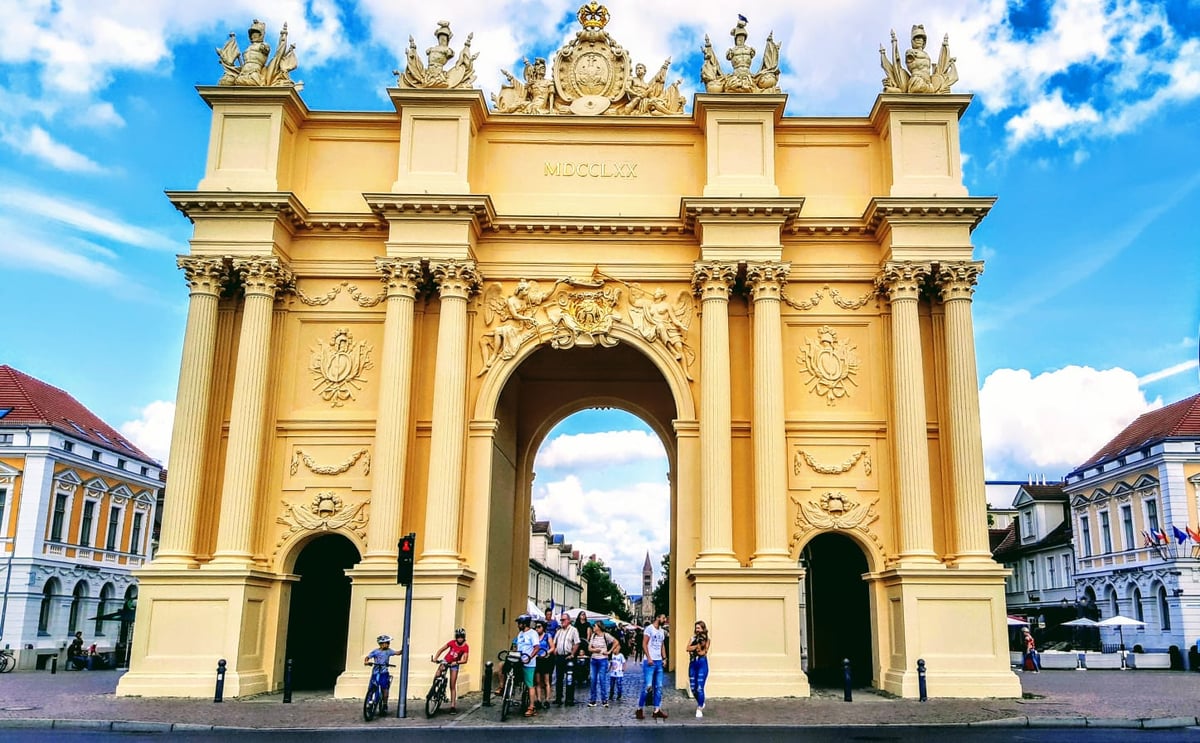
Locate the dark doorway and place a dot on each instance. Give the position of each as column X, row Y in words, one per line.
column 319, row 616
column 839, row 611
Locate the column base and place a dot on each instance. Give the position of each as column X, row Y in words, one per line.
column 954, row 620
column 192, row 619
column 755, row 613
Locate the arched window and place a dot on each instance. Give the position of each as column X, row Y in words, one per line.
column 1138, row 612
column 46, row 613
column 78, row 596
column 105, row 606
column 1113, row 607
column 1164, row 611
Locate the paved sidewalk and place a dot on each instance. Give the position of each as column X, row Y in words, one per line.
column 1053, row 698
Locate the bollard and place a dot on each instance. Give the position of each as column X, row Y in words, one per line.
column 287, row 682
column 1081, row 662
column 846, row 673
column 487, row 684
column 921, row 680
column 54, row 665
column 219, row 694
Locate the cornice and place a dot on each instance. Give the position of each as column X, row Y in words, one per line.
column 270, row 205
column 781, row 210
column 450, row 207
column 287, row 96
column 471, row 99
column 958, row 102
column 582, row 225
column 885, row 212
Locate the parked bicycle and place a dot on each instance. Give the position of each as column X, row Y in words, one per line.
column 377, row 691
column 437, row 691
column 7, row 661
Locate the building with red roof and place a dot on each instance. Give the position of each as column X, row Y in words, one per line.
column 1137, row 531
column 77, row 507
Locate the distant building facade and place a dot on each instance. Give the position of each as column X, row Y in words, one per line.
column 78, row 503
column 1130, row 503
column 553, row 568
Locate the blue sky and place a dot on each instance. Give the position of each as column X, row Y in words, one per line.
column 1085, row 124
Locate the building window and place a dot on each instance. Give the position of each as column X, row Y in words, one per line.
column 3, row 503
column 1152, row 514
column 1138, row 612
column 1085, row 533
column 85, row 523
column 1028, row 524
column 60, row 514
column 1066, row 570
column 6, row 438
column 68, row 446
column 145, row 471
column 135, row 534
column 1164, row 611
column 46, row 611
column 1033, row 584
column 1050, row 583
column 114, row 520
column 77, row 598
column 1127, row 527
column 95, row 455
column 1105, row 532
column 105, row 606
column 120, row 463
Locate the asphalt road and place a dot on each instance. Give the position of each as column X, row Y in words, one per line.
column 706, row 734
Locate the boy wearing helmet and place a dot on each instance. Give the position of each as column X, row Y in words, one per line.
column 380, row 656
column 456, row 654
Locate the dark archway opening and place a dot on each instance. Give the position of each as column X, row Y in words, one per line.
column 839, row 611
column 319, row 615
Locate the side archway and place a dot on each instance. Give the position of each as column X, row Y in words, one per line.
column 319, row 610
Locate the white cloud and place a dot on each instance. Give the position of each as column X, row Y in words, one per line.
column 37, row 142
column 606, row 448
column 152, row 431
column 1054, row 422
column 619, row 524
column 1046, row 117
column 84, row 217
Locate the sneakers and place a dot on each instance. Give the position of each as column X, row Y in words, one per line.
column 605, row 705
column 660, row 714
column 639, row 714
column 593, row 704
column 699, row 712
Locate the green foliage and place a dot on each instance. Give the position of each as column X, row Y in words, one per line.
column 662, row 591
column 604, row 595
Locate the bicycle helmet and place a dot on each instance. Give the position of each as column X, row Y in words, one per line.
column 460, row 632
column 383, row 638
column 523, row 620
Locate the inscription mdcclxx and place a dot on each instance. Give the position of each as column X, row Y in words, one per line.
column 590, row 169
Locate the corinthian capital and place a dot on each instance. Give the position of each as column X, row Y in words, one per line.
column 263, row 275
column 957, row 280
column 713, row 279
column 403, row 276
column 902, row 279
column 766, row 279
column 455, row 278
column 203, row 275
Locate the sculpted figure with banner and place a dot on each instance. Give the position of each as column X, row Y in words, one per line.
column 434, row 74
column 254, row 65
column 918, row 74
column 741, row 57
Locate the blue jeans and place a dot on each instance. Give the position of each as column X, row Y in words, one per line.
column 599, row 680
column 697, row 675
column 652, row 673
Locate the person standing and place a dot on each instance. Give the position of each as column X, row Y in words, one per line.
column 600, row 647
column 456, row 652
column 698, row 664
column 545, row 665
column 527, row 644
column 581, row 659
column 566, row 643
column 654, row 640
column 76, row 655
column 616, row 673
column 1031, row 661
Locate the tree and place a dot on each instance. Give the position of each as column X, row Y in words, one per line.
column 662, row 592
column 604, row 596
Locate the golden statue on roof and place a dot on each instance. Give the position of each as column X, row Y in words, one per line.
column 593, row 75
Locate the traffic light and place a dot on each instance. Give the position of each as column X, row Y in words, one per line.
column 404, row 559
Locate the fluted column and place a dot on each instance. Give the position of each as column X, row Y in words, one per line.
column 902, row 281
column 391, row 425
column 261, row 278
column 178, row 540
column 766, row 282
column 456, row 281
column 956, row 284
column 713, row 281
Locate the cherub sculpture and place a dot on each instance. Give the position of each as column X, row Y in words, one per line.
column 656, row 318
column 741, row 56
column 434, row 74
column 515, row 314
column 252, row 67
column 918, row 74
column 534, row 95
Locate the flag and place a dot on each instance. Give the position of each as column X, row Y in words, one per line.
column 1194, row 534
column 1180, row 534
column 551, row 606
column 1149, row 542
column 1162, row 537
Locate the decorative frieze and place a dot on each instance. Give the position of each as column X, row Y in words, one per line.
column 862, row 455
column 299, row 456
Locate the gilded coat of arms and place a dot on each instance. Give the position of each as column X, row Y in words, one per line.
column 584, row 318
column 830, row 364
column 338, row 368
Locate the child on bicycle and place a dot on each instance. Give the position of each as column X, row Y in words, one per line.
column 380, row 657
column 456, row 652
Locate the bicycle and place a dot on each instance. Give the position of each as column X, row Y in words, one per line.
column 7, row 661
column 437, row 691
column 514, row 682
column 377, row 691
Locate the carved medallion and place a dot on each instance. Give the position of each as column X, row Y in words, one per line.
column 829, row 364
column 326, row 512
column 338, row 368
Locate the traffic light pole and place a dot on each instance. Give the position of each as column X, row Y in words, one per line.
column 407, row 548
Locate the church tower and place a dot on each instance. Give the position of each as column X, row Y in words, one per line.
column 647, row 609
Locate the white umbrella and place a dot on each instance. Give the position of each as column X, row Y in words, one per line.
column 1082, row 622
column 1121, row 623
column 1014, row 622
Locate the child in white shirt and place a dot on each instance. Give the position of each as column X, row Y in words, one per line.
column 616, row 673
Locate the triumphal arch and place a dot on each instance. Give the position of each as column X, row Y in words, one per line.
column 390, row 310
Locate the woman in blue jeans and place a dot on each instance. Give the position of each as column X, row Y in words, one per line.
column 698, row 667
column 599, row 646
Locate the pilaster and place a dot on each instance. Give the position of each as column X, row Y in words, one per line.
column 437, row 128
column 253, row 137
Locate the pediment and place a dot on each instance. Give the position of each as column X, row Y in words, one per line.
column 1120, row 488
column 7, row 472
column 1145, row 481
column 96, row 485
column 68, row 477
column 122, row 491
column 1080, row 501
